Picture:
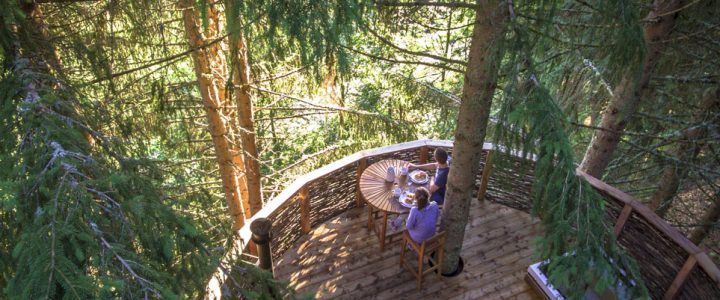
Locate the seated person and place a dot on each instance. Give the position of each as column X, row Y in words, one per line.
column 437, row 186
column 422, row 219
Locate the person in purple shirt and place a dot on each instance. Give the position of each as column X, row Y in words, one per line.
column 437, row 186
column 422, row 219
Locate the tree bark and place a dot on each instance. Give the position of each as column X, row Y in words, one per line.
column 687, row 149
column 38, row 30
column 243, row 100
column 330, row 81
column 478, row 89
column 627, row 94
column 211, row 71
column 711, row 216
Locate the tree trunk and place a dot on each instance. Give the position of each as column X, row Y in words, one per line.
column 243, row 100
column 330, row 84
column 687, row 149
column 480, row 80
column 211, row 71
column 707, row 221
column 330, row 81
column 627, row 94
column 38, row 31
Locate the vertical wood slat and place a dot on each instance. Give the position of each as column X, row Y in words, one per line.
column 362, row 165
column 304, row 210
column 487, row 170
column 622, row 218
column 423, row 154
column 681, row 277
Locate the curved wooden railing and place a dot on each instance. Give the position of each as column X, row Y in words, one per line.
column 670, row 264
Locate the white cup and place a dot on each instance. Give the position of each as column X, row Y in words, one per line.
column 390, row 174
column 403, row 170
column 397, row 192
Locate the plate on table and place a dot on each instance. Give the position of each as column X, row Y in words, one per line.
column 407, row 199
column 419, row 177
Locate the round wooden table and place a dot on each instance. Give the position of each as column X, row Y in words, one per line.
column 379, row 193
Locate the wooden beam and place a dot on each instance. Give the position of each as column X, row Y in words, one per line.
column 680, row 278
column 622, row 218
column 362, row 165
column 423, row 154
column 487, row 170
column 304, row 210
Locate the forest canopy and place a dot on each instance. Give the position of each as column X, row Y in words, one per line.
column 137, row 137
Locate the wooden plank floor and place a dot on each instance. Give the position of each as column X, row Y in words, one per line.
column 341, row 259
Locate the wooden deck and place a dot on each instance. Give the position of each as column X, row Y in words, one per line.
column 341, row 259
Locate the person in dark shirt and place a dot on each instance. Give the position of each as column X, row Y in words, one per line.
column 439, row 182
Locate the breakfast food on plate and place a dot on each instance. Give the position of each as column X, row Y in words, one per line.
column 409, row 198
column 420, row 176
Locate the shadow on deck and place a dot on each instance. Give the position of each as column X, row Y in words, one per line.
column 341, row 259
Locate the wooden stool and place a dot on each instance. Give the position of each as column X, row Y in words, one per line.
column 435, row 243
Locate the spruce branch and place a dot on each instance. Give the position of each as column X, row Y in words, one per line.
column 278, row 76
column 414, row 53
column 414, row 21
column 403, row 61
column 157, row 62
column 427, row 4
column 139, row 279
column 669, row 158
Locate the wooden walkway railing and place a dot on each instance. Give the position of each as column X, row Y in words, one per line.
column 668, row 260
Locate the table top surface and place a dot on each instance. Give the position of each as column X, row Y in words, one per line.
column 378, row 192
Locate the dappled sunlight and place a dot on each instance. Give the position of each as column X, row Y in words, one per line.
column 342, row 259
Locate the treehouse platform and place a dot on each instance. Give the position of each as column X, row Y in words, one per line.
column 320, row 241
column 341, row 259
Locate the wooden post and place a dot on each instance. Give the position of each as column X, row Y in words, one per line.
column 362, row 164
column 260, row 229
column 304, row 210
column 681, row 277
column 371, row 219
column 622, row 218
column 487, row 170
column 423, row 154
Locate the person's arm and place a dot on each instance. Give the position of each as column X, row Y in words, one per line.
column 412, row 219
column 436, row 183
column 427, row 167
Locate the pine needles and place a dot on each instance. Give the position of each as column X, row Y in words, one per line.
column 577, row 240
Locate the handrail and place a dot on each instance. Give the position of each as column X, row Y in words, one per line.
column 298, row 183
column 298, row 191
column 696, row 255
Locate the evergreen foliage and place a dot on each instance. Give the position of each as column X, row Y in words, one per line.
column 80, row 219
column 578, row 240
column 106, row 163
column 311, row 28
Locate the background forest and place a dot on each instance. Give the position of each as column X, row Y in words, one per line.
column 115, row 114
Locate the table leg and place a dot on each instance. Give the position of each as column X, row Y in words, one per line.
column 383, row 230
column 371, row 221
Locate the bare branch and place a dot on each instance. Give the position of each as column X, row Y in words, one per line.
column 166, row 59
column 430, row 4
column 304, row 158
column 404, row 61
column 271, row 78
column 403, row 50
